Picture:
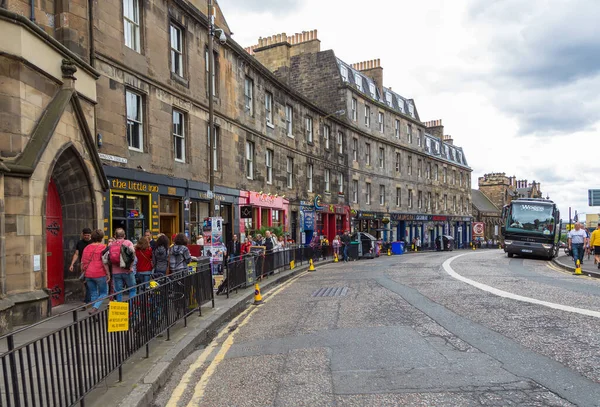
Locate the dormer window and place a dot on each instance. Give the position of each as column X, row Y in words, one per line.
column 388, row 98
column 411, row 110
column 401, row 105
column 344, row 72
column 372, row 90
column 358, row 80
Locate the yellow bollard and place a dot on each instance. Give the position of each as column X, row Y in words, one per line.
column 292, row 264
column 257, row 297
column 335, row 258
column 311, row 266
column 473, row 247
column 389, row 252
column 578, row 268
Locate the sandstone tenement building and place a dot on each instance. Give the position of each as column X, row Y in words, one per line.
column 105, row 124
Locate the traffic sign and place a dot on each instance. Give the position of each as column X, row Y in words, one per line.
column 594, row 197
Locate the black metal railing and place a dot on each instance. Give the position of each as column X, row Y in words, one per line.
column 60, row 367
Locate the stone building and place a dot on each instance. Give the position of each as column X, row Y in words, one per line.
column 486, row 212
column 106, row 125
column 399, row 168
column 501, row 189
column 51, row 179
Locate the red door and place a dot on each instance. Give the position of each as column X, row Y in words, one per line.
column 54, row 246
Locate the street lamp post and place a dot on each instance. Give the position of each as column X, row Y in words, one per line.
column 211, row 113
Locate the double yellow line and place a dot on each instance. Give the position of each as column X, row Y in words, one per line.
column 200, row 387
column 554, row 267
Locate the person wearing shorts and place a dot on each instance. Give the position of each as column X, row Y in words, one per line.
column 595, row 245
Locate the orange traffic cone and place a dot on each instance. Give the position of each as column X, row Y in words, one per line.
column 257, row 297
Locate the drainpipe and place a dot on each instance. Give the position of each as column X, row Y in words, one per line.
column 32, row 9
column 91, row 32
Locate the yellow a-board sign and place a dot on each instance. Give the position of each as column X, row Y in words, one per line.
column 292, row 265
column 118, row 316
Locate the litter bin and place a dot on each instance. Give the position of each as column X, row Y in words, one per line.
column 448, row 243
column 397, row 247
column 353, row 251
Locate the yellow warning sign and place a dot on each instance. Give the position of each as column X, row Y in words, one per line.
column 292, row 265
column 118, row 316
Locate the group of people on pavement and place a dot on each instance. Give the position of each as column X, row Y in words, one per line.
column 120, row 264
column 580, row 241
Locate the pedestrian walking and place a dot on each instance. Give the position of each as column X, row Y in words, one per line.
column 97, row 275
column 121, row 257
column 346, row 239
column 143, row 253
column 151, row 241
column 577, row 239
column 179, row 254
column 336, row 243
column 234, row 248
column 86, row 239
column 418, row 244
column 160, row 256
column 595, row 244
column 245, row 249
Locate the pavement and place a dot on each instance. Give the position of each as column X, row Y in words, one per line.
column 588, row 267
column 402, row 331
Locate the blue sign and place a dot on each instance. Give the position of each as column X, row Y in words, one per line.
column 309, row 220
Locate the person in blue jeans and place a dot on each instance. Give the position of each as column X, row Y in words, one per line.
column 346, row 239
column 577, row 242
column 119, row 259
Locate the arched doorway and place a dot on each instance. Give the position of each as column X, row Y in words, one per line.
column 54, row 245
column 70, row 203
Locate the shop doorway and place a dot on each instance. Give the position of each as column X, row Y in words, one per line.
column 293, row 226
column 170, row 210
column 168, row 226
column 54, row 246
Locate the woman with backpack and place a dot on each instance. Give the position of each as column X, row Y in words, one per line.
column 179, row 255
column 160, row 256
column 95, row 271
column 143, row 252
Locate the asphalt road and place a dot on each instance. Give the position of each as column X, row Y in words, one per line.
column 427, row 329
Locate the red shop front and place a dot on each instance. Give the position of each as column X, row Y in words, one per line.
column 333, row 220
column 267, row 210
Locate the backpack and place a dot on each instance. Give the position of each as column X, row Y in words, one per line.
column 114, row 253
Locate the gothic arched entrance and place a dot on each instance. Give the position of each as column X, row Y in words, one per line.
column 70, row 207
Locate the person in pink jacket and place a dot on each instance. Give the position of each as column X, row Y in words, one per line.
column 96, row 272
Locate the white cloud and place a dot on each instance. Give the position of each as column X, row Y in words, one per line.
column 516, row 83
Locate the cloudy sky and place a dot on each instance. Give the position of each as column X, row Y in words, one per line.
column 516, row 83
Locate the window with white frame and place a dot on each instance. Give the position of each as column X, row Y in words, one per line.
column 388, row 98
column 381, row 194
column 355, row 191
column 380, row 118
column 419, row 199
column 176, row 50
column 436, row 174
column 437, row 201
column 327, row 180
column 269, row 108
column 419, row 168
column 326, row 135
column 354, row 109
column 290, row 172
column 248, row 95
column 428, row 201
column 368, row 193
column 135, row 131
column 398, row 197
column 454, row 177
column 467, row 208
column 409, row 133
column 367, row 154
column 309, row 129
column 179, row 135
column 131, row 24
column 410, row 198
column 372, row 90
column 249, row 160
column 398, row 162
column 215, row 146
column 381, row 157
column 445, row 179
column 340, row 183
column 462, row 206
column 358, row 80
column 445, row 202
column 397, row 128
column 309, row 177
column 454, row 203
column 289, row 114
column 354, row 149
column 367, row 116
column 419, row 137
column 460, row 179
column 409, row 165
column 428, row 172
column 340, row 142
column 269, row 165
column 344, row 73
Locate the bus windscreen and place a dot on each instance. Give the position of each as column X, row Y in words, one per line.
column 532, row 218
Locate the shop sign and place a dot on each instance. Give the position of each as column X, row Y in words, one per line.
column 133, row 186
column 459, row 218
column 368, row 215
column 478, row 229
column 272, row 201
column 309, row 220
column 246, row 212
column 207, row 196
column 306, row 203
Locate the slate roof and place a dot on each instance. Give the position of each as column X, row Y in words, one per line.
column 369, row 87
column 482, row 203
column 440, row 149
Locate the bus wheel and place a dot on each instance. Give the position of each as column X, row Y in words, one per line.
column 510, row 254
